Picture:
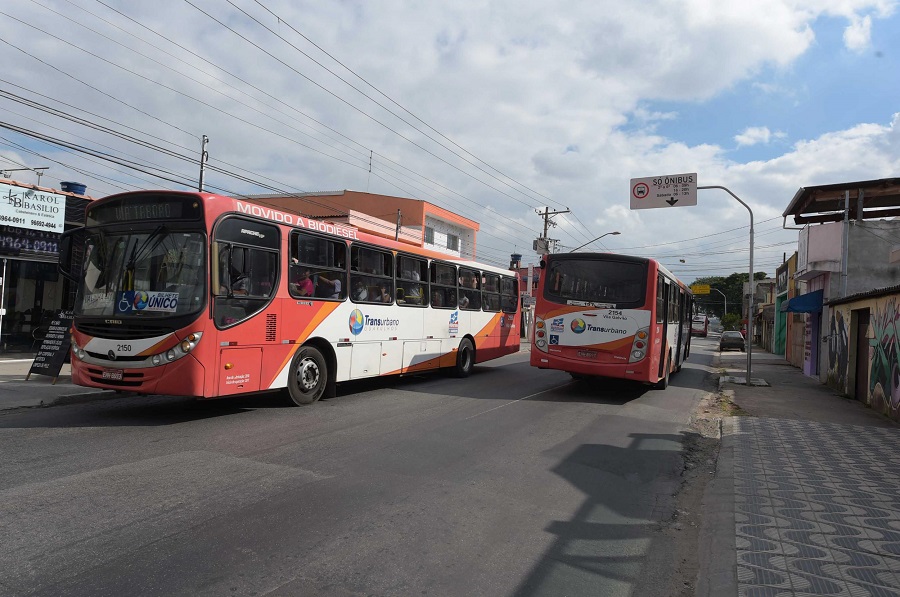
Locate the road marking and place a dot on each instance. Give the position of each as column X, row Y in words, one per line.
column 521, row 399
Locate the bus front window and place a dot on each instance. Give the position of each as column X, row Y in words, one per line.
column 595, row 282
column 153, row 274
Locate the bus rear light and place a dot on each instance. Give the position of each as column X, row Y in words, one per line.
column 639, row 344
column 637, row 355
column 642, row 335
column 540, row 333
column 539, row 324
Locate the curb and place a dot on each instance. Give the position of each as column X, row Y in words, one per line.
column 717, row 574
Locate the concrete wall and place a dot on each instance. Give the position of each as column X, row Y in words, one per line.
column 869, row 265
column 442, row 229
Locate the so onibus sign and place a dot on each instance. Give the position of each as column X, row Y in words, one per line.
column 672, row 190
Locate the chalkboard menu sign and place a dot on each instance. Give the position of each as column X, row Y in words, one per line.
column 54, row 347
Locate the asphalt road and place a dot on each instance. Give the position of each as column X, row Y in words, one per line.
column 513, row 482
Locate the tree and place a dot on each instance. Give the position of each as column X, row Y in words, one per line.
column 732, row 286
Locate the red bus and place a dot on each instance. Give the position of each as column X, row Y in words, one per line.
column 606, row 315
column 196, row 294
column 700, row 326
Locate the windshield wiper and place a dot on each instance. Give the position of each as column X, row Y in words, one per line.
column 138, row 252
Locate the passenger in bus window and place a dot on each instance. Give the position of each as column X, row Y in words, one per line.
column 414, row 291
column 302, row 284
column 360, row 293
column 329, row 288
column 384, row 295
column 436, row 299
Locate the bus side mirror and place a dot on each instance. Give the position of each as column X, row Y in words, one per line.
column 543, row 264
column 65, row 245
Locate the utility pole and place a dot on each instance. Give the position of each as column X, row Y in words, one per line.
column 399, row 223
column 204, row 156
column 547, row 214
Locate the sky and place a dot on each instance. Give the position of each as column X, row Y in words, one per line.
column 494, row 110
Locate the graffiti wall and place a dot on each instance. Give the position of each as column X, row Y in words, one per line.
column 883, row 352
column 838, row 350
column 884, row 368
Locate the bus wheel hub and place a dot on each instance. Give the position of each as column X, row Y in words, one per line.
column 308, row 374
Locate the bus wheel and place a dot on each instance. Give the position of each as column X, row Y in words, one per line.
column 465, row 359
column 664, row 382
column 308, row 376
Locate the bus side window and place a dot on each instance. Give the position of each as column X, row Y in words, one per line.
column 318, row 267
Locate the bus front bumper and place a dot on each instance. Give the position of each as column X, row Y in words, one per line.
column 184, row 377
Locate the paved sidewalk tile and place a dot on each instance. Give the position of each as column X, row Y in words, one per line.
column 817, row 508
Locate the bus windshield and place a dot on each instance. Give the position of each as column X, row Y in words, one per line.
column 585, row 281
column 155, row 273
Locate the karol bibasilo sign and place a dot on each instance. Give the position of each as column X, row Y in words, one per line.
column 32, row 209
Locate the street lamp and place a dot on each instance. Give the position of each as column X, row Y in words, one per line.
column 724, row 297
column 596, row 239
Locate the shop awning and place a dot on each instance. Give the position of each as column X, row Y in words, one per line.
column 811, row 302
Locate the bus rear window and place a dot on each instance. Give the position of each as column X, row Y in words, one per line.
column 596, row 282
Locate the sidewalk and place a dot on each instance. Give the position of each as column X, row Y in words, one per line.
column 806, row 487
column 39, row 390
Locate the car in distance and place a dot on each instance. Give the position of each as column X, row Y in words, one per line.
column 730, row 340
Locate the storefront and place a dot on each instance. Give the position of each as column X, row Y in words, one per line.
column 31, row 289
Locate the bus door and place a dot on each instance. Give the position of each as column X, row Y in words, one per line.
column 662, row 317
column 243, row 284
column 682, row 318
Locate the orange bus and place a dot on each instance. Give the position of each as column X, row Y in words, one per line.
column 606, row 315
column 196, row 294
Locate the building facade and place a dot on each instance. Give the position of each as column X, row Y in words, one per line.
column 846, row 248
column 32, row 218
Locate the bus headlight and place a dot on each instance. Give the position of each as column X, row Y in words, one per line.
column 173, row 354
column 76, row 350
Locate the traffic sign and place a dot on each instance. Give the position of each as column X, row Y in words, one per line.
column 700, row 288
column 673, row 190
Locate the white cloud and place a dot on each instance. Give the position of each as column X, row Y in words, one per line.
column 755, row 135
column 557, row 96
column 858, row 34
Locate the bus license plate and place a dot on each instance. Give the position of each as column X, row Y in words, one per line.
column 112, row 374
column 587, row 354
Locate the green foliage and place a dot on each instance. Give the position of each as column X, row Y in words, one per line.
column 732, row 321
column 732, row 286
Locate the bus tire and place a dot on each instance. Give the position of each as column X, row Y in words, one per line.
column 465, row 359
column 664, row 382
column 308, row 376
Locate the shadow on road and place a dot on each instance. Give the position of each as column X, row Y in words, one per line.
column 629, row 495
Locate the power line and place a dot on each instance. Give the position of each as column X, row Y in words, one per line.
column 281, row 20
column 350, row 105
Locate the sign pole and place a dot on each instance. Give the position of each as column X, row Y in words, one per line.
column 749, row 338
column 2, row 295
